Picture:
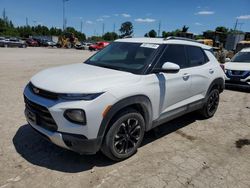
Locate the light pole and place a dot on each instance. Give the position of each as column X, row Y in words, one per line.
column 64, row 19
column 81, row 25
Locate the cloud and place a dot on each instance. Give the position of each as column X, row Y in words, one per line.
column 205, row 13
column 244, row 17
column 116, row 14
column 106, row 16
column 100, row 20
column 126, row 15
column 89, row 22
column 198, row 24
column 146, row 20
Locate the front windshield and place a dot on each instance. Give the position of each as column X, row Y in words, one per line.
column 124, row 56
column 242, row 57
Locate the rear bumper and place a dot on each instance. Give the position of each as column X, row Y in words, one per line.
column 73, row 142
column 239, row 84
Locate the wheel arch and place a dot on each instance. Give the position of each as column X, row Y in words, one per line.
column 218, row 83
column 140, row 103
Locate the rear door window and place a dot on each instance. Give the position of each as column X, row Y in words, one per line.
column 196, row 56
column 174, row 54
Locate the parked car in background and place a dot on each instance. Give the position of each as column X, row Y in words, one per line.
column 83, row 46
column 31, row 42
column 238, row 69
column 98, row 46
column 46, row 42
column 13, row 42
column 50, row 43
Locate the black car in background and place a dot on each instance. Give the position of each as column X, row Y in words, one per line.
column 45, row 42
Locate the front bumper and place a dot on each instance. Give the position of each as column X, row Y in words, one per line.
column 242, row 80
column 48, row 119
column 73, row 142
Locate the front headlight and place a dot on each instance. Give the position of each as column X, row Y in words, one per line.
column 79, row 96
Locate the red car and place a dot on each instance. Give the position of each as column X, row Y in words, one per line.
column 32, row 42
column 98, row 46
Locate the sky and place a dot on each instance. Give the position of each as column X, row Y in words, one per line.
column 198, row 15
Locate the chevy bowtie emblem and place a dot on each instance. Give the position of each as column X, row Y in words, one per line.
column 36, row 90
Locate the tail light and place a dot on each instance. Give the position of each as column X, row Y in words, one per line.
column 223, row 67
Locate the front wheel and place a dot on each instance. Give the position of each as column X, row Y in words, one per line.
column 211, row 104
column 124, row 136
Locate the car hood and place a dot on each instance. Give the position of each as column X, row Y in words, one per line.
column 81, row 78
column 237, row 66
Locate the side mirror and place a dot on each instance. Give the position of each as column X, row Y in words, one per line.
column 227, row 59
column 169, row 67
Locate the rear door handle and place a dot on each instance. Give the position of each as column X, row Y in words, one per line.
column 185, row 76
column 211, row 71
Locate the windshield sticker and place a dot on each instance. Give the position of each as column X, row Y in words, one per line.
column 148, row 45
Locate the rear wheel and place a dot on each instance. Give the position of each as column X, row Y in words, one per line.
column 211, row 104
column 124, row 136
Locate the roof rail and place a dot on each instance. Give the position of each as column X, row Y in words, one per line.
column 180, row 38
column 126, row 37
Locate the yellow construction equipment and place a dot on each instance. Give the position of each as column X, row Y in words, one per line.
column 242, row 44
column 208, row 42
column 68, row 40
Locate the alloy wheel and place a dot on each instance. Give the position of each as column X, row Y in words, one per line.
column 127, row 136
column 213, row 102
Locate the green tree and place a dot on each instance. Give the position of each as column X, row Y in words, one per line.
column 55, row 31
column 222, row 29
column 184, row 29
column 171, row 33
column 126, row 29
column 110, row 36
column 95, row 38
column 152, row 33
column 79, row 35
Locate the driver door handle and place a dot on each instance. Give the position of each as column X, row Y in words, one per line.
column 185, row 76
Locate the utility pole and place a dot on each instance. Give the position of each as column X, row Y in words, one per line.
column 27, row 22
column 236, row 24
column 103, row 28
column 4, row 15
column 81, row 25
column 159, row 29
column 64, row 19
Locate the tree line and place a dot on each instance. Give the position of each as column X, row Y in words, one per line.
column 7, row 28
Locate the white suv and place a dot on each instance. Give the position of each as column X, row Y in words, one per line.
column 129, row 87
column 238, row 69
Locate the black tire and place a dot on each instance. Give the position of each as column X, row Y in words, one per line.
column 124, row 136
column 211, row 104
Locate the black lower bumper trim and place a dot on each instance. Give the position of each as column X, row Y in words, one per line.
column 81, row 144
